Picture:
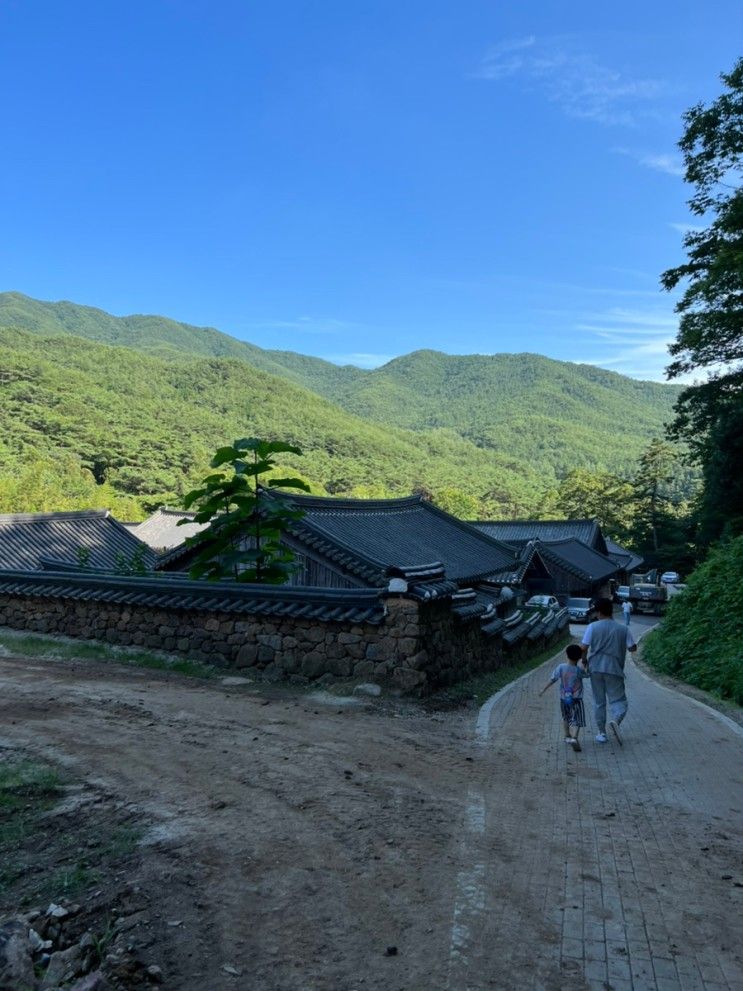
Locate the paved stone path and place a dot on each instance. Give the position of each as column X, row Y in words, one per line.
column 615, row 867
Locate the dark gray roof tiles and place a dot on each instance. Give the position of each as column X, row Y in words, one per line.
column 178, row 592
column 577, row 558
column 162, row 531
column 625, row 559
column 369, row 537
column 70, row 537
column 520, row 531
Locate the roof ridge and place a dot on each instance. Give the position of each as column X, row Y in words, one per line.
column 65, row 514
column 469, row 527
column 577, row 519
column 330, row 502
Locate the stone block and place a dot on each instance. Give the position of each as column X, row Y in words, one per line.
column 314, row 664
column 407, row 680
column 341, row 667
column 271, row 640
column 247, row 655
column 417, row 661
column 363, row 669
column 376, row 652
column 288, row 661
column 347, row 638
column 315, row 634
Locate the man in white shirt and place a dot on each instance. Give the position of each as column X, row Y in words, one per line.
column 605, row 646
column 627, row 610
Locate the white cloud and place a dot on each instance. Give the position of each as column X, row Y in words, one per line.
column 506, row 58
column 669, row 164
column 632, row 342
column 687, row 228
column 579, row 84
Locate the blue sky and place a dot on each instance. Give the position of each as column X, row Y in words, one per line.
column 357, row 179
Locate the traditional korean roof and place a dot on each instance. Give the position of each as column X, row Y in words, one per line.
column 176, row 591
column 93, row 534
column 577, row 558
column 162, row 531
column 521, row 531
column 625, row 560
column 373, row 537
column 515, row 572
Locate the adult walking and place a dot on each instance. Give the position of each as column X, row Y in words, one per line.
column 605, row 646
column 627, row 611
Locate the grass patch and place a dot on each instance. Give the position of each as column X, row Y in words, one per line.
column 68, row 881
column 27, row 789
column 65, row 648
column 43, row 859
column 122, row 841
column 25, row 780
column 483, row 686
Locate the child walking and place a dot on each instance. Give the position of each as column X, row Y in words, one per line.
column 571, row 678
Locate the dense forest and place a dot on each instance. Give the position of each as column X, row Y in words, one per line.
column 144, row 428
column 131, row 415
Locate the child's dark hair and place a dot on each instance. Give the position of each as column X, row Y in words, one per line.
column 573, row 651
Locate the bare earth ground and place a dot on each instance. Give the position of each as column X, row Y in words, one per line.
column 294, row 841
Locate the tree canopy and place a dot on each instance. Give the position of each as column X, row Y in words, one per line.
column 710, row 336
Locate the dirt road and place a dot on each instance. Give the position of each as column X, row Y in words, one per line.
column 294, row 840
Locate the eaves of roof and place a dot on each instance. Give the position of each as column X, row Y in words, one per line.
column 177, row 592
column 601, row 565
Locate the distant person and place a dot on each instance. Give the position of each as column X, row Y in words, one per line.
column 605, row 646
column 571, row 678
column 627, row 610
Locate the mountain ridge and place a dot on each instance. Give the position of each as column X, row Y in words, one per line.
column 532, row 418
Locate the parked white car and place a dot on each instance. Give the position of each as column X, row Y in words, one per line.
column 542, row 602
column 670, row 577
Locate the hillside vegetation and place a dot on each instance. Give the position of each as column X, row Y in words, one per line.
column 144, row 400
column 147, row 427
column 559, row 414
column 699, row 641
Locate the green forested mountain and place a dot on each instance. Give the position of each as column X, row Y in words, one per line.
column 558, row 414
column 158, row 335
column 144, row 401
column 147, row 426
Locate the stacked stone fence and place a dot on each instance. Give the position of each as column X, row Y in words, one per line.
column 299, row 634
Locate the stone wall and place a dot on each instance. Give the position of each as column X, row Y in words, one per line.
column 415, row 646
